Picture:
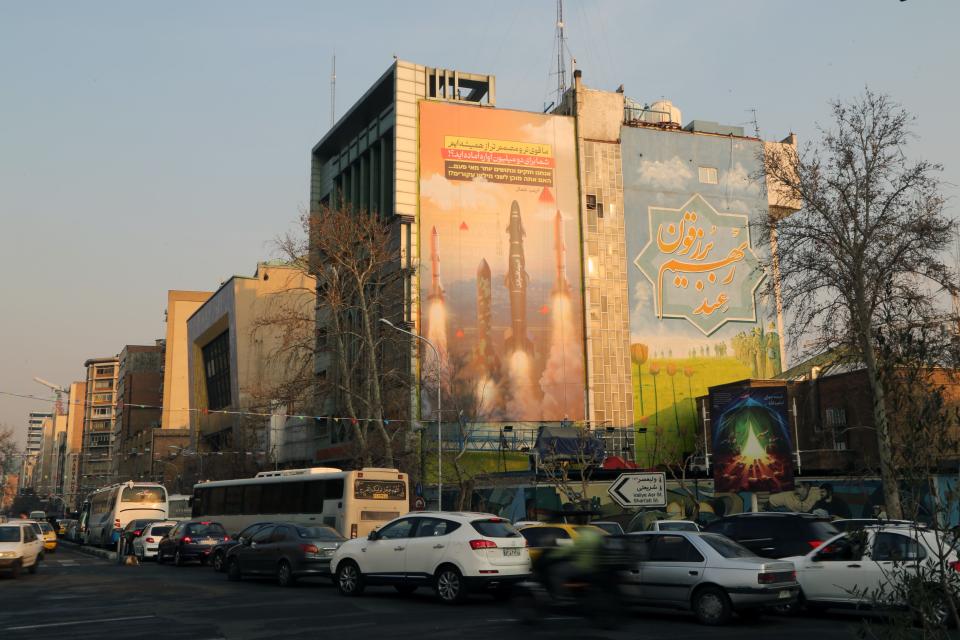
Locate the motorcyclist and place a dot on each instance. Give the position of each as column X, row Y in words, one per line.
column 576, row 562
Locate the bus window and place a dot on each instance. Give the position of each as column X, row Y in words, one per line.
column 234, row 501
column 251, row 499
column 313, row 495
column 270, row 498
column 215, row 498
column 334, row 489
column 291, row 500
column 143, row 494
column 199, row 502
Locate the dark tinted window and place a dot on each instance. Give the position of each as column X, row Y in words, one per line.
column 544, row 536
column 674, row 549
column 251, row 499
column 160, row 531
column 326, row 534
column 29, row 535
column 263, row 534
column 281, row 534
column 291, row 497
column 233, row 501
column 677, row 526
column 723, row 527
column 270, row 498
column 200, row 530
column 252, row 529
column 9, row 534
column 199, row 502
column 896, row 547
column 313, row 496
column 495, row 528
column 398, row 529
column 822, row 530
column 640, row 547
column 214, row 501
column 435, row 527
column 727, row 547
column 334, row 489
column 216, row 365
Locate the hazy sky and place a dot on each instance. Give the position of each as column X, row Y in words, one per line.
column 155, row 146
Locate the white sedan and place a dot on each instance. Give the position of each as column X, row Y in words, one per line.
column 454, row 553
column 145, row 545
column 20, row 548
column 860, row 568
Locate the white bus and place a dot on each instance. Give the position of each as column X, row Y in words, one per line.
column 111, row 508
column 178, row 507
column 352, row 502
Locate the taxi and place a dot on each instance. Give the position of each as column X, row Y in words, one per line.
column 49, row 536
column 541, row 537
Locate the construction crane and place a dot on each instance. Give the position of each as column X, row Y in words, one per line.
column 58, row 390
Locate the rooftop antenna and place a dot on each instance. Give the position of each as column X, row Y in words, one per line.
column 333, row 89
column 561, row 48
column 755, row 122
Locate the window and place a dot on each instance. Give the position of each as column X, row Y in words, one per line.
column 896, row 547
column 495, row 528
column 103, row 397
column 319, row 533
column 640, row 547
column 103, row 385
column 727, row 547
column 281, row 534
column 591, row 201
column 263, row 535
column 143, row 494
column 291, row 497
column 270, row 498
column 431, row 527
column 251, row 499
column 205, row 530
column 708, row 175
column 215, row 498
column 313, row 496
column 233, row 501
column 398, row 529
column 674, row 549
column 216, row 365
column 102, row 412
column 103, row 371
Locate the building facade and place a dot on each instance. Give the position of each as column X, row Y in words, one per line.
column 138, row 408
column 33, row 448
column 96, row 465
column 176, row 374
column 74, row 443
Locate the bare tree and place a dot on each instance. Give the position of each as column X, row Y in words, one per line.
column 868, row 239
column 569, row 463
column 9, row 452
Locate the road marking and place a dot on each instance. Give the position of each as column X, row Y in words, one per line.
column 67, row 624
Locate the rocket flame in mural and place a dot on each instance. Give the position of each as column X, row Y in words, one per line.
column 504, row 185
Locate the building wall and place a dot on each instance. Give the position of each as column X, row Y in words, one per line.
column 74, row 441
column 98, row 421
column 139, row 397
column 176, row 379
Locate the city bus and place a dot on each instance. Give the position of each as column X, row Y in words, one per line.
column 178, row 507
column 352, row 502
column 111, row 508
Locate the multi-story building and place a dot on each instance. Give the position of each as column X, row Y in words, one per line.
column 138, row 402
column 98, row 420
column 74, row 442
column 594, row 265
column 238, row 372
column 176, row 376
column 33, row 448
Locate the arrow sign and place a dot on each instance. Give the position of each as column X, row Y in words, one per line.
column 640, row 489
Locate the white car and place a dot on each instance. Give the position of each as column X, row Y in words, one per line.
column 850, row 569
column 20, row 548
column 454, row 553
column 145, row 545
column 673, row 525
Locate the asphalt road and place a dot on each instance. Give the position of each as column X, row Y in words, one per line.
column 77, row 596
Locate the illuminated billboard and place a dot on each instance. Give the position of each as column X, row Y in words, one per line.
column 500, row 286
column 699, row 315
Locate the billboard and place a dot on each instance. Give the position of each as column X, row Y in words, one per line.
column 751, row 445
column 699, row 316
column 500, row 286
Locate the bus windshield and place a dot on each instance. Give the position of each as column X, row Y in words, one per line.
column 143, row 494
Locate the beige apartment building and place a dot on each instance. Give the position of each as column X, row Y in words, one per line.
column 74, row 442
column 98, row 420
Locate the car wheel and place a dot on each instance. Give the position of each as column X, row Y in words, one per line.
column 177, row 558
column 285, row 577
column 711, row 606
column 217, row 562
column 233, row 570
column 33, row 568
column 405, row 589
column 349, row 579
column 449, row 585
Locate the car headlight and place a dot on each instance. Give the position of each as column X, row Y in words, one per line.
column 8, row 554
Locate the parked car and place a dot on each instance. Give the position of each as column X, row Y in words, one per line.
column 20, row 548
column 38, row 515
column 145, row 545
column 613, row 528
column 73, row 531
column 774, row 534
column 673, row 525
column 286, row 551
column 455, row 553
column 851, row 569
column 549, row 536
column 852, row 524
column 49, row 536
column 131, row 532
column 218, row 555
column 190, row 540
column 706, row 573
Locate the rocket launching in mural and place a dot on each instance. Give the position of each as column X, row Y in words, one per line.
column 516, row 282
column 437, row 309
column 560, row 248
column 436, row 289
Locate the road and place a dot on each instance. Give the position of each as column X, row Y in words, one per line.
column 78, row 596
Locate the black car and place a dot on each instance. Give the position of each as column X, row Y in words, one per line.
column 219, row 554
column 772, row 534
column 191, row 540
column 286, row 552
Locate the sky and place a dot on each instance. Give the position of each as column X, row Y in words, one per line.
column 155, row 146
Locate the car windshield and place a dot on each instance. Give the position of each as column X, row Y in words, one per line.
column 45, row 527
column 9, row 534
column 161, row 531
column 137, row 524
column 678, row 526
column 495, row 528
column 205, row 529
column 727, row 547
column 319, row 533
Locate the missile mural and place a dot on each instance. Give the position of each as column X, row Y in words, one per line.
column 560, row 251
column 516, row 281
column 485, row 357
column 436, row 289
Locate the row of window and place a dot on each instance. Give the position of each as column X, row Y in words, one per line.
column 216, row 365
column 255, row 499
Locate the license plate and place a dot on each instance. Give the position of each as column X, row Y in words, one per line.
column 784, row 594
column 511, row 552
column 381, row 496
column 209, row 541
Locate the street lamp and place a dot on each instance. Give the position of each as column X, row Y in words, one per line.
column 436, row 353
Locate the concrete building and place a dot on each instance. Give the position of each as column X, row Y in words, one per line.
column 74, row 442
column 98, row 424
column 33, row 448
column 238, row 372
column 138, row 402
column 176, row 375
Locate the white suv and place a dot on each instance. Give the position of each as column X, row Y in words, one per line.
column 20, row 548
column 455, row 553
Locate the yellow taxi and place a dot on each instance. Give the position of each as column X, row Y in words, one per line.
column 49, row 536
column 541, row 537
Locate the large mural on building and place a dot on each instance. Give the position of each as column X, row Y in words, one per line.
column 500, row 287
column 698, row 313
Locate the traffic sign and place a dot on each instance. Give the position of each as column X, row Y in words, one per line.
column 640, row 489
column 419, row 504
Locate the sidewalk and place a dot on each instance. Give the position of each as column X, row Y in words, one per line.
column 90, row 551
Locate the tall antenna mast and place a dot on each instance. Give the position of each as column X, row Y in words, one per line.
column 333, row 89
column 561, row 48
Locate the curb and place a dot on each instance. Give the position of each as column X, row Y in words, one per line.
column 90, row 551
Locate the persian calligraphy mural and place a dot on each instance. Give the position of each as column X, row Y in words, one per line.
column 500, row 292
column 698, row 313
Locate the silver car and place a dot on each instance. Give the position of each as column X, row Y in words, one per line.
column 706, row 573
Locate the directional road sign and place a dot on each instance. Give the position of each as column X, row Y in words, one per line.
column 640, row 489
